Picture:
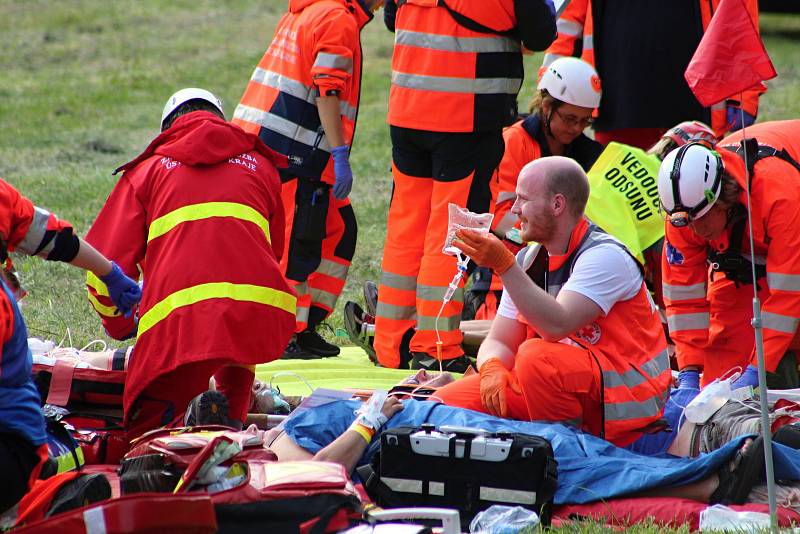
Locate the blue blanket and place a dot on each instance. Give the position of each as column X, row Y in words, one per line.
column 589, row 468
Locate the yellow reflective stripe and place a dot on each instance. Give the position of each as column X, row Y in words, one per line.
column 216, row 290
column 102, row 309
column 95, row 283
column 195, row 212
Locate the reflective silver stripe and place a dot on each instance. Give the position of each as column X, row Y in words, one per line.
column 449, row 43
column 403, row 485
column 398, row 313
column 549, row 58
column 688, row 321
column 285, row 84
column 399, row 281
column 569, row 27
column 677, row 293
column 301, row 289
column 444, row 84
column 632, row 377
column 446, row 324
column 783, row 282
column 781, row 323
column 436, row 293
column 718, row 106
column 33, row 238
column 280, row 125
column 622, row 411
column 324, row 298
column 506, row 195
column 588, row 42
column 94, row 521
column 348, row 111
column 554, row 289
column 506, row 495
column 334, row 61
column 331, row 268
column 301, row 314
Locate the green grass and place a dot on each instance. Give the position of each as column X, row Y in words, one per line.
column 81, row 91
column 84, row 81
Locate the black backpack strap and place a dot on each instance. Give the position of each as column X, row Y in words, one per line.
column 377, row 490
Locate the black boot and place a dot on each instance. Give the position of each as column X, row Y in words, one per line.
column 310, row 341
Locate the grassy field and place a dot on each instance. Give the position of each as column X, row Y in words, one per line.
column 82, row 87
column 81, row 91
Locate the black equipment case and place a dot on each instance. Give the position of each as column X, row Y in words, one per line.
column 462, row 468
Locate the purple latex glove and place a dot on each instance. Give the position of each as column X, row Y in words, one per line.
column 735, row 115
column 124, row 292
column 689, row 379
column 748, row 378
column 341, row 168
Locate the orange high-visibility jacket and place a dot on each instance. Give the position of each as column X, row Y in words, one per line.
column 525, row 141
column 775, row 196
column 199, row 212
column 316, row 49
column 576, row 29
column 457, row 67
column 628, row 343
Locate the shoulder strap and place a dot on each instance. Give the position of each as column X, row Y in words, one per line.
column 467, row 22
column 756, row 152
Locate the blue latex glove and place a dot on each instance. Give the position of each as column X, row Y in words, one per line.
column 735, row 115
column 124, row 292
column 748, row 378
column 689, row 379
column 341, row 168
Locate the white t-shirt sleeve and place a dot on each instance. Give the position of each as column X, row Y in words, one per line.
column 507, row 308
column 606, row 274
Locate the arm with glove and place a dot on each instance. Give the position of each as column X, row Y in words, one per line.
column 552, row 318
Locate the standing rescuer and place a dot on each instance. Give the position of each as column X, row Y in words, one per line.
column 302, row 101
column 199, row 213
column 709, row 310
column 456, row 71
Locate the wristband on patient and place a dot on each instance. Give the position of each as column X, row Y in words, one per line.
column 364, row 431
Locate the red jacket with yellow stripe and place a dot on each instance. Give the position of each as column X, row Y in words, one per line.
column 316, row 48
column 576, row 32
column 775, row 196
column 200, row 214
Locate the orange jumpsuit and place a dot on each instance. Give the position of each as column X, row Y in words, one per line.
column 456, row 71
column 613, row 382
column 316, row 49
column 709, row 316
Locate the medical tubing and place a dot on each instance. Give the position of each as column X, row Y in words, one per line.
column 448, row 295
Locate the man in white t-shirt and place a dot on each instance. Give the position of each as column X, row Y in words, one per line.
column 577, row 338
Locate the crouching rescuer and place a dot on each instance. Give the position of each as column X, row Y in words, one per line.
column 199, row 214
column 577, row 338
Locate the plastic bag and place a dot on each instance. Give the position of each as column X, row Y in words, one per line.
column 720, row 518
column 710, row 399
column 499, row 519
column 462, row 219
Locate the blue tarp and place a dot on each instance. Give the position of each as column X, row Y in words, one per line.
column 589, row 468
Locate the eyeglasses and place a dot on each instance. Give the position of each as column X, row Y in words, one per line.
column 572, row 120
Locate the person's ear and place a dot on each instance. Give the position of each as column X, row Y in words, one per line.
column 559, row 203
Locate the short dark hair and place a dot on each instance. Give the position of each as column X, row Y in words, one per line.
column 196, row 104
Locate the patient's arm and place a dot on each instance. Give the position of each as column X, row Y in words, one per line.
column 345, row 450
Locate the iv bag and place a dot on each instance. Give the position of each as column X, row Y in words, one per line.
column 462, row 219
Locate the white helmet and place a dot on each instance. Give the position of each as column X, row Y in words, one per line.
column 689, row 182
column 184, row 95
column 573, row 81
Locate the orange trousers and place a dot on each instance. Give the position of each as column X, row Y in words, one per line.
column 430, row 171
column 559, row 383
column 319, row 245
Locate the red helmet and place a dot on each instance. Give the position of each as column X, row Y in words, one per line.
column 692, row 131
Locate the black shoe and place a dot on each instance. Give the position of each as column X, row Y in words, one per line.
column 147, row 473
column 371, row 297
column 421, row 360
column 80, row 492
column 311, row 341
column 208, row 408
column 356, row 323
